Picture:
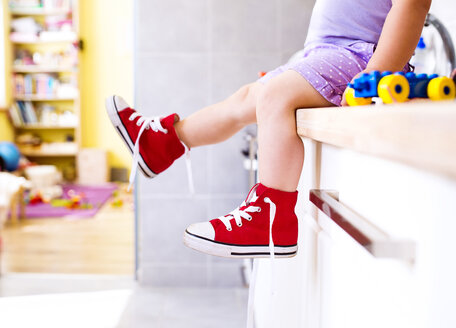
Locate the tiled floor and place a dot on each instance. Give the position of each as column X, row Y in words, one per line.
column 189, row 308
column 114, row 302
column 26, row 284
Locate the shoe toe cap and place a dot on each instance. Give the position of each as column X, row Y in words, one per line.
column 120, row 103
column 203, row 229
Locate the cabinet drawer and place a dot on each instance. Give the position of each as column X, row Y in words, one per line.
column 406, row 204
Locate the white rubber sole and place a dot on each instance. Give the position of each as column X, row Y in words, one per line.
column 236, row 251
column 113, row 114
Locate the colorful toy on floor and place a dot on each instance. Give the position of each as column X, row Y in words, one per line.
column 36, row 199
column 75, row 201
column 399, row 87
column 117, row 203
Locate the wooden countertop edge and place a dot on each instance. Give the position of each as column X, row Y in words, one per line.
column 421, row 134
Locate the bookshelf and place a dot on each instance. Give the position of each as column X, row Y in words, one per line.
column 44, row 39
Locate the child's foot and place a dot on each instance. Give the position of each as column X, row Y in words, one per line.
column 152, row 141
column 246, row 231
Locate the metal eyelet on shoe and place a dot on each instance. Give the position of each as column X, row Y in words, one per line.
column 259, row 209
column 249, row 219
column 239, row 224
column 229, row 229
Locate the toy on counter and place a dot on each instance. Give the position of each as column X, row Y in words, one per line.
column 399, row 87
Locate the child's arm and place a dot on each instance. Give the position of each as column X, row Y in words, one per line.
column 400, row 35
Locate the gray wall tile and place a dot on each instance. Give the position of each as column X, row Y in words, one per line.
column 225, row 273
column 294, row 27
column 244, row 26
column 231, row 71
column 190, row 54
column 226, row 170
column 183, row 275
column 174, row 181
column 163, row 223
column 172, row 83
column 172, row 25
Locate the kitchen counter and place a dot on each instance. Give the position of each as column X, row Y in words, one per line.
column 354, row 172
column 420, row 133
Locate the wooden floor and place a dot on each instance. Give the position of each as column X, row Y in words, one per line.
column 103, row 244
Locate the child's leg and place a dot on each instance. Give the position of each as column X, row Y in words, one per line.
column 220, row 121
column 269, row 207
column 281, row 152
column 157, row 142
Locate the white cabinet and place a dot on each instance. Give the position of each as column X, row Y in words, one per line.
column 358, row 289
column 339, row 283
column 294, row 303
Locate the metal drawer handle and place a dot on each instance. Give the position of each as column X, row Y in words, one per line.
column 374, row 240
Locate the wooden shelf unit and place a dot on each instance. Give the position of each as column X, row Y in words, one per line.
column 44, row 98
column 43, row 69
column 58, row 70
column 45, row 42
column 66, row 149
column 39, row 11
column 44, row 127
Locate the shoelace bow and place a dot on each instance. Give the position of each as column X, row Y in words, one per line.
column 154, row 123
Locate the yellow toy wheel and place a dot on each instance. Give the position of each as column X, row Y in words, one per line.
column 354, row 101
column 441, row 88
column 393, row 88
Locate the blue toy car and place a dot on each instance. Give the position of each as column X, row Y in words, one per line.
column 399, row 87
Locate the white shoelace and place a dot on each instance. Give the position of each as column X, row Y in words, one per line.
column 154, row 123
column 237, row 214
column 272, row 214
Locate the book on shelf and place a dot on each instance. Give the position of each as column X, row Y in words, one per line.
column 39, row 84
column 25, row 113
column 15, row 115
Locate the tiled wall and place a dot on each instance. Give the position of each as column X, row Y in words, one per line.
column 190, row 54
column 445, row 10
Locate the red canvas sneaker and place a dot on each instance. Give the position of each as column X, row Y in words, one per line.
column 264, row 225
column 152, row 140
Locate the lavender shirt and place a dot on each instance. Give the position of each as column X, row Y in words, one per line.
column 342, row 22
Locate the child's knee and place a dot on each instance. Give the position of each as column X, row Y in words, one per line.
column 245, row 102
column 247, row 94
column 272, row 100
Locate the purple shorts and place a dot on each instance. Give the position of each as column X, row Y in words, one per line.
column 328, row 67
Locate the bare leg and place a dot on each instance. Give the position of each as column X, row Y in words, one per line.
column 281, row 152
column 220, row 121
